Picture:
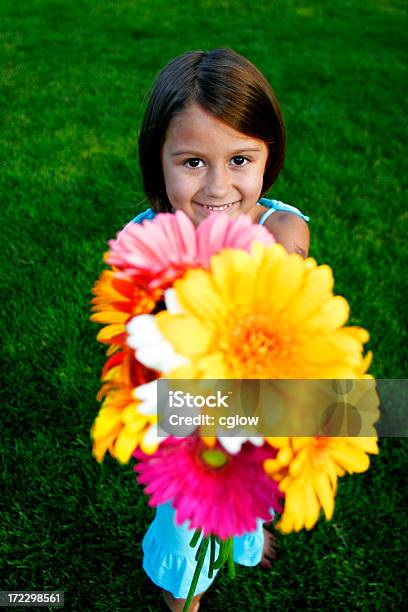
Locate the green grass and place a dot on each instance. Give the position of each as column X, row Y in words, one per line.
column 74, row 80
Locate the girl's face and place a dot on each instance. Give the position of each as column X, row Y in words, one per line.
column 210, row 167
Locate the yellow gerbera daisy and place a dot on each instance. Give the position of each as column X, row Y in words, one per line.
column 120, row 427
column 264, row 314
column 307, row 470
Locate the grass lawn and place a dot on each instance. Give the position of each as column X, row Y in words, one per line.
column 74, row 80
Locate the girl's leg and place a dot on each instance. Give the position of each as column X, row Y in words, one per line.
column 269, row 552
column 177, row 605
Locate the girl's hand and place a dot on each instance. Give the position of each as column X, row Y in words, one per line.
column 290, row 231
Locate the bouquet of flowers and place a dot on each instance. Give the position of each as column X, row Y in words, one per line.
column 224, row 301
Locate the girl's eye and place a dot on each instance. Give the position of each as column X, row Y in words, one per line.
column 193, row 162
column 240, row 160
column 196, row 162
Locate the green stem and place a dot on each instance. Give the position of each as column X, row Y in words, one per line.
column 212, row 557
column 200, row 548
column 195, row 537
column 218, row 560
column 201, row 556
column 222, row 555
column 231, row 564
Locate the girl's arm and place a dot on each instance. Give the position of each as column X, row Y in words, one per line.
column 291, row 231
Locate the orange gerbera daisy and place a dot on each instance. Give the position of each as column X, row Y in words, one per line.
column 118, row 299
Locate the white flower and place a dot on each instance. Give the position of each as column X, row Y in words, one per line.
column 151, row 349
column 232, row 444
column 171, row 301
column 147, row 394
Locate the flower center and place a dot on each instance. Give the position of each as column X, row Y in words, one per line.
column 259, row 347
column 214, row 458
column 144, row 301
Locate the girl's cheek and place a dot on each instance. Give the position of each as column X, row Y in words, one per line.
column 180, row 190
column 187, row 183
column 257, row 177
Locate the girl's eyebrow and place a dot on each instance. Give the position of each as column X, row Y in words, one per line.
column 231, row 153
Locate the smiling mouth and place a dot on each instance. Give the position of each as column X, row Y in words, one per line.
column 217, row 208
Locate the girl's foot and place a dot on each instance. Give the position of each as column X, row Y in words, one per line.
column 269, row 552
column 177, row 605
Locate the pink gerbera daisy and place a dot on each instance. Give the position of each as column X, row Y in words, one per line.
column 219, row 493
column 160, row 250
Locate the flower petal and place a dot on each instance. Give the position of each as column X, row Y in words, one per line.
column 188, row 336
column 125, row 444
column 143, row 330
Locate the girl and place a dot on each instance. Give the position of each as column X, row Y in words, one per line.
column 212, row 142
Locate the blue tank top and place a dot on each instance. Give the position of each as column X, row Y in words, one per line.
column 272, row 205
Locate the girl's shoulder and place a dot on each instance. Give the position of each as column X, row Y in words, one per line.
column 288, row 225
column 273, row 206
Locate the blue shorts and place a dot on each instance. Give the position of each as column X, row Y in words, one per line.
column 169, row 560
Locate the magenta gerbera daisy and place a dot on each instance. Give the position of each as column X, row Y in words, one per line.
column 219, row 493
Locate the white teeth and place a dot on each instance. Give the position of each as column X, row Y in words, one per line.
column 217, row 207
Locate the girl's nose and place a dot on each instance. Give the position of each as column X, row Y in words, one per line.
column 218, row 183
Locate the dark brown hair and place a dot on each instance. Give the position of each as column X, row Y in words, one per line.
column 223, row 83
